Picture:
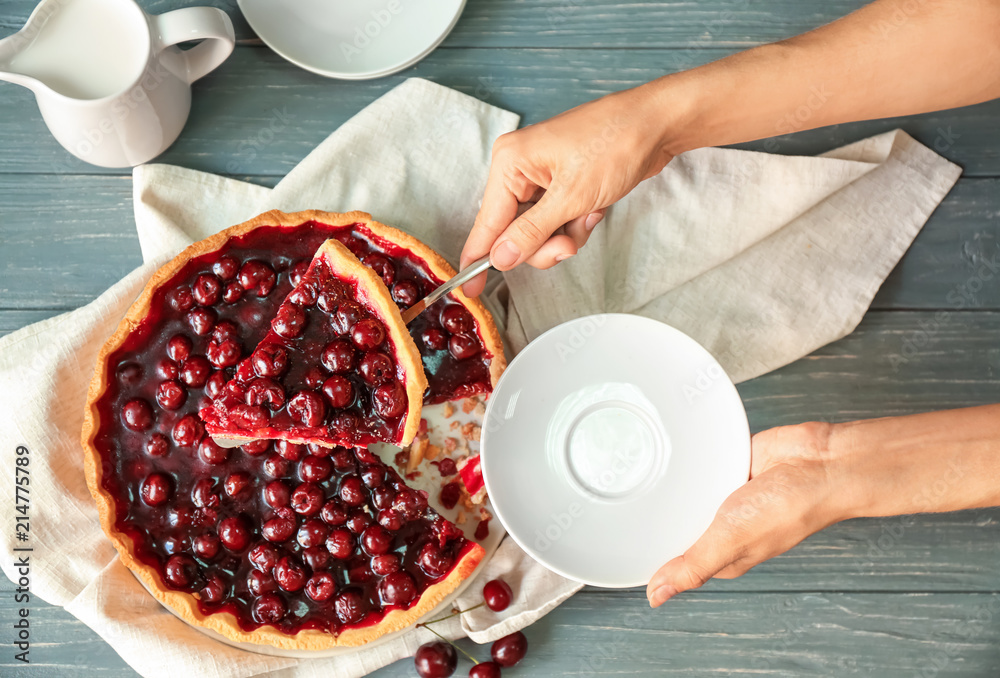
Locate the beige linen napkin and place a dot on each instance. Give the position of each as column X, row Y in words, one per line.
column 761, row 258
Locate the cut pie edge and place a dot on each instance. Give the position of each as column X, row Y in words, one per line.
column 183, row 602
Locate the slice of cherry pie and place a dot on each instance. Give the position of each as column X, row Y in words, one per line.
column 296, row 546
column 337, row 368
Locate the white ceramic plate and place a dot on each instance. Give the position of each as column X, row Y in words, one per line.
column 609, row 445
column 354, row 40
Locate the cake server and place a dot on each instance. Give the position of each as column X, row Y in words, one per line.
column 459, row 279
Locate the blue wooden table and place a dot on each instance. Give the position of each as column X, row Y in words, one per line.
column 892, row 597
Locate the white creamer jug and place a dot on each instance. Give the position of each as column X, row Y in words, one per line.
column 110, row 84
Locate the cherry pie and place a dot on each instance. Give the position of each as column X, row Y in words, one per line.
column 276, row 542
column 337, row 368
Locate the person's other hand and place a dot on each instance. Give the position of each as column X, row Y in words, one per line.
column 796, row 488
column 571, row 168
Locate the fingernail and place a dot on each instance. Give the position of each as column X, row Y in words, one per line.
column 662, row 595
column 506, row 254
column 563, row 257
column 593, row 219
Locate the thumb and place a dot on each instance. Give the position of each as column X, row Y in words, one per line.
column 528, row 232
column 712, row 553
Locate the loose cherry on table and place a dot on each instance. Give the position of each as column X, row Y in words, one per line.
column 431, row 658
column 436, row 660
column 509, row 650
column 485, row 670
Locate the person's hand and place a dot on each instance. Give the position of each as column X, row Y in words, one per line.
column 806, row 477
column 571, row 168
column 797, row 487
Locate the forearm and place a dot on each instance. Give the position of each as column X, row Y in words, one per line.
column 893, row 57
column 939, row 461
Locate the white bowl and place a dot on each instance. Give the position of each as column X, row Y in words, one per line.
column 609, row 444
column 355, row 40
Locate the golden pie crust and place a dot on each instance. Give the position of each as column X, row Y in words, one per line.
column 183, row 603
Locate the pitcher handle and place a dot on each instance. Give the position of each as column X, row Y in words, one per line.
column 209, row 24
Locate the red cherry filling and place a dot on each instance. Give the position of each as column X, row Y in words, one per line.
column 137, row 415
column 290, row 575
column 322, row 339
column 257, row 276
column 321, row 587
column 170, row 395
column 278, row 529
column 157, row 445
column 181, row 571
column 155, row 489
column 307, row 499
column 340, row 543
column 277, row 494
column 376, row 540
column 179, row 348
column 434, row 560
column 269, row 609
column 206, row 546
column 234, row 534
column 203, row 508
column 315, row 469
column 312, row 533
column 350, row 606
column 206, row 289
column 263, row 557
column 397, row 588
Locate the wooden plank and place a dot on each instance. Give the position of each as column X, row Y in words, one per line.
column 895, row 363
column 696, row 634
column 580, row 23
column 15, row 320
column 259, row 115
column 67, row 238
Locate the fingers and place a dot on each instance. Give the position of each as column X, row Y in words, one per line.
column 566, row 242
column 498, row 209
column 557, row 248
column 529, row 231
column 580, row 228
column 712, row 553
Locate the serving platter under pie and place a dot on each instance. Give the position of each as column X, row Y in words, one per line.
column 307, row 541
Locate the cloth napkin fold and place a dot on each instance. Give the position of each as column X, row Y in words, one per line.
column 761, row 258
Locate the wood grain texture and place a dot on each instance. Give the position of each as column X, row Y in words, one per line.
column 696, row 634
column 259, row 115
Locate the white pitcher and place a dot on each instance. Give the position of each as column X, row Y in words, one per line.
column 110, row 85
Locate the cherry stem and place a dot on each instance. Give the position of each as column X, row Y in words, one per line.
column 453, row 614
column 471, row 658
